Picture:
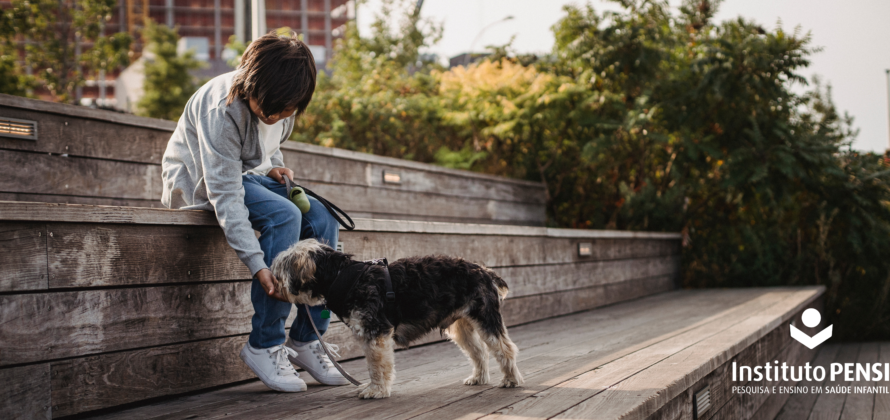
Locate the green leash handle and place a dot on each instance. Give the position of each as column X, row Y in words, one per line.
column 297, row 194
column 298, row 197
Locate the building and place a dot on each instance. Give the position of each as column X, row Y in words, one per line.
column 206, row 25
column 465, row 59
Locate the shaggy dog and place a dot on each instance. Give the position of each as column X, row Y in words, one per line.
column 450, row 294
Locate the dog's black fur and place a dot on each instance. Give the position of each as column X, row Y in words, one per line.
column 429, row 290
column 432, row 292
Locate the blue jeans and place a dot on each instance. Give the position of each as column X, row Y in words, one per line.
column 281, row 225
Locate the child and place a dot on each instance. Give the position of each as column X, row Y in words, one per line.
column 224, row 157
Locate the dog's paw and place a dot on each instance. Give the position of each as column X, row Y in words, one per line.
column 508, row 383
column 476, row 380
column 374, row 391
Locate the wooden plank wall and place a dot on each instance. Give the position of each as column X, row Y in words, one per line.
column 95, row 315
column 98, row 157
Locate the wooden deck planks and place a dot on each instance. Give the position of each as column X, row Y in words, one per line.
column 641, row 394
column 500, row 250
column 615, row 389
column 799, row 406
column 830, row 406
column 549, row 358
column 552, row 366
column 882, row 401
column 79, row 176
column 760, row 406
column 103, row 180
column 169, row 317
column 15, row 211
column 340, row 171
column 81, row 213
column 542, row 344
column 90, row 255
column 859, row 405
column 22, row 256
column 25, row 393
column 841, row 406
column 111, row 379
column 531, row 280
column 120, row 137
column 38, row 327
column 48, row 326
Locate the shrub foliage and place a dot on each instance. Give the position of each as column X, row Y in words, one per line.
column 644, row 120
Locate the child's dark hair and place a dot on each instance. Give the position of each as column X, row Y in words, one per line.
column 279, row 71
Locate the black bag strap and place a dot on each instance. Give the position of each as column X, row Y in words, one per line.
column 332, row 208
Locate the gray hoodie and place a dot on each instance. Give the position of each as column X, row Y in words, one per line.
column 212, row 146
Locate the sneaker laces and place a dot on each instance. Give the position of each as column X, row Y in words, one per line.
column 322, row 356
column 280, row 354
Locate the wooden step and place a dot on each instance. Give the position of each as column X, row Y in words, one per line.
column 639, row 359
column 102, row 306
column 90, row 156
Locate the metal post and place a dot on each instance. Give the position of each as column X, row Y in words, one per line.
column 169, row 9
column 327, row 31
column 257, row 18
column 240, row 32
column 122, row 16
column 28, row 69
column 102, row 98
column 888, row 103
column 217, row 30
column 78, row 91
column 304, row 20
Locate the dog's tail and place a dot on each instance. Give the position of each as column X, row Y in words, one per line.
column 499, row 284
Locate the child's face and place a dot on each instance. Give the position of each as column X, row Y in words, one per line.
column 270, row 119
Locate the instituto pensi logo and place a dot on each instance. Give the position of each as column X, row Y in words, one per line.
column 793, row 378
column 811, row 318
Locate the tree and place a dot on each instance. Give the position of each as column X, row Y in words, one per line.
column 63, row 42
column 168, row 83
column 13, row 78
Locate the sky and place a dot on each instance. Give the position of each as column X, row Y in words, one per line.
column 853, row 34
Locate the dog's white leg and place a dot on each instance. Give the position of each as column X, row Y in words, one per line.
column 381, row 366
column 464, row 335
column 506, row 352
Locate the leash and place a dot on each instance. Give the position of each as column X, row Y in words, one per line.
column 328, row 352
column 390, row 294
column 332, row 208
column 392, row 312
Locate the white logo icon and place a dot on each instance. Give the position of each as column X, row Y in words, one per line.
column 811, row 318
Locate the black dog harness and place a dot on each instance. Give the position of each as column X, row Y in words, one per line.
column 346, row 278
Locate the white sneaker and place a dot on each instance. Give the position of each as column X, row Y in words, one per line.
column 272, row 366
column 312, row 359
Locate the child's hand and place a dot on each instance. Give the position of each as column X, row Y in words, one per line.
column 267, row 280
column 278, row 174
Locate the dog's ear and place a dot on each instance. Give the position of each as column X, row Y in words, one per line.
column 295, row 267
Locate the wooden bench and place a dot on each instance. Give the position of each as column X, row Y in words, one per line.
column 102, row 306
column 111, row 308
column 86, row 156
column 644, row 359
